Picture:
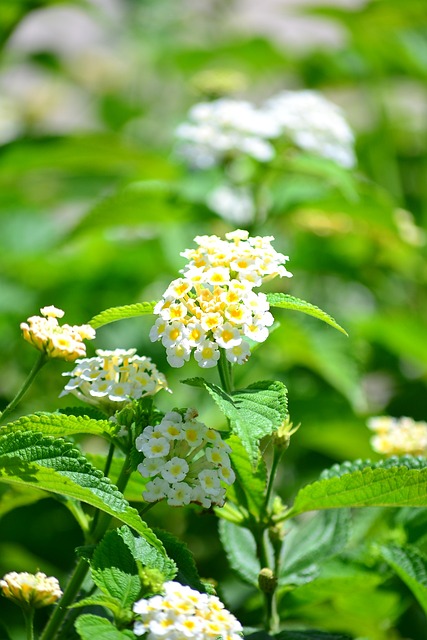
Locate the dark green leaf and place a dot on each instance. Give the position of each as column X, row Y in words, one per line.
column 183, row 558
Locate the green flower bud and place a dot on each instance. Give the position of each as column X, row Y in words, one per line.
column 267, row 581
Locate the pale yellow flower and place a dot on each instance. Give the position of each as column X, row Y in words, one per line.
column 27, row 589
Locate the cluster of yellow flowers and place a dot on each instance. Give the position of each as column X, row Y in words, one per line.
column 396, row 436
column 214, row 304
column 27, row 589
column 56, row 341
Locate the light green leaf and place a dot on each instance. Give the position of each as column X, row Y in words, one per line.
column 411, row 566
column 60, row 425
column 122, row 313
column 51, row 464
column 284, row 301
column 89, row 627
column 395, row 482
column 311, row 542
column 147, row 555
column 240, row 547
column 253, row 412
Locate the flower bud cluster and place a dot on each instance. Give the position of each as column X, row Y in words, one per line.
column 54, row 340
column 27, row 589
column 187, row 461
column 214, row 305
column 398, row 436
column 183, row 612
column 225, row 128
column 113, row 378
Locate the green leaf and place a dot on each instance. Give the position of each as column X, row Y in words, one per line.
column 249, row 489
column 51, row 464
column 284, row 301
column 148, row 555
column 183, row 558
column 100, row 600
column 136, row 483
column 114, row 569
column 411, row 566
column 60, row 425
column 14, row 496
column 122, row 313
column 90, row 627
column 240, row 547
column 311, row 542
column 395, row 482
column 253, row 412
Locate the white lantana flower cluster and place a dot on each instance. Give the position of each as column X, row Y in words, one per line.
column 56, row 341
column 183, row 612
column 214, row 304
column 112, row 378
column 187, row 461
column 235, row 204
column 398, row 436
column 225, row 128
column 314, row 124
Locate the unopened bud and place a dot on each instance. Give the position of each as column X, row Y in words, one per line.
column 267, row 581
column 151, row 581
column 282, row 437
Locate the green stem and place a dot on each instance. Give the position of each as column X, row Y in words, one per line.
column 274, row 466
column 225, row 372
column 71, row 591
column 29, row 620
column 42, row 359
column 107, row 468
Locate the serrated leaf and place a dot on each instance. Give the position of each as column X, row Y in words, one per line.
column 411, row 566
column 60, row 425
column 90, row 627
column 136, row 483
column 183, row 558
column 253, row 412
column 100, row 600
column 51, row 464
column 148, row 555
column 240, row 547
column 249, row 489
column 310, row 542
column 395, row 482
column 114, row 569
column 285, row 301
column 122, row 313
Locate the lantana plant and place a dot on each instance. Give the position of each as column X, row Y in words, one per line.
column 144, row 582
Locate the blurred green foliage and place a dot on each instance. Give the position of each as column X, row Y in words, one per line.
column 95, row 208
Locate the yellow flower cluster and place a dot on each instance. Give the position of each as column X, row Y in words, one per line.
column 397, row 436
column 27, row 589
column 56, row 341
column 214, row 304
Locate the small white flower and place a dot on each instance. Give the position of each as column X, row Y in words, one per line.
column 156, row 490
column 238, row 354
column 210, row 482
column 227, row 336
column 175, row 470
column 178, row 354
column 155, row 448
column 179, row 494
column 207, row 354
